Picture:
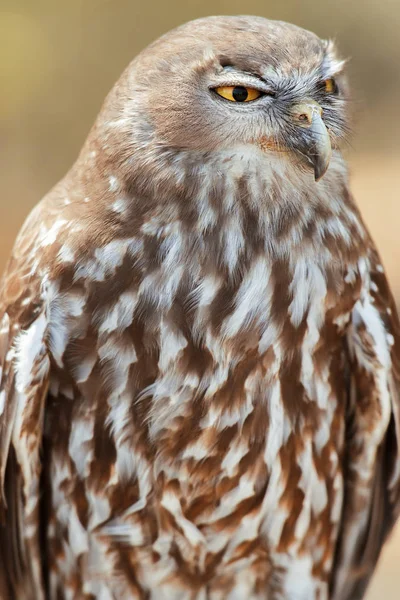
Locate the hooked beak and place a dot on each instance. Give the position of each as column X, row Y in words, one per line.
column 315, row 142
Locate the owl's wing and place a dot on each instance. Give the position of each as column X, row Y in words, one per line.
column 24, row 378
column 371, row 500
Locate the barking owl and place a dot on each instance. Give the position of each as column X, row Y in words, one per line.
column 199, row 348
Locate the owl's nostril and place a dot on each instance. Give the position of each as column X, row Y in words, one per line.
column 305, row 112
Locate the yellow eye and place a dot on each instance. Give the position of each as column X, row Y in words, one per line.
column 330, row 86
column 238, row 93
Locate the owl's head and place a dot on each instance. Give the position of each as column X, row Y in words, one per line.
column 221, row 83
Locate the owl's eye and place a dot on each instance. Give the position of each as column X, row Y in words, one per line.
column 238, row 93
column 330, row 86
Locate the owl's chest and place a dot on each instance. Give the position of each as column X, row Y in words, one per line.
column 238, row 373
column 204, row 366
column 187, row 343
column 207, row 407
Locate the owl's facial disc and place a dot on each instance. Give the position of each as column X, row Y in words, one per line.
column 269, row 87
column 303, row 124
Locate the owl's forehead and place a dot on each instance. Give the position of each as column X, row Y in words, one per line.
column 275, row 47
column 247, row 43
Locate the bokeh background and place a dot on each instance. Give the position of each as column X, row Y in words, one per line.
column 59, row 58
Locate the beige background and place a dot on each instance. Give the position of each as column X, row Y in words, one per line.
column 58, row 59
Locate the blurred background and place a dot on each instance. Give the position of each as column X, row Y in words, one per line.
column 58, row 59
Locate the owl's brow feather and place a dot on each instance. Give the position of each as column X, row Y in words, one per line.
column 331, row 65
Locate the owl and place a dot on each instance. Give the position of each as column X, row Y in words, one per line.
column 199, row 348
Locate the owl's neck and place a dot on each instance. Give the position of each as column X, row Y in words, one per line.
column 245, row 195
column 229, row 206
column 249, row 194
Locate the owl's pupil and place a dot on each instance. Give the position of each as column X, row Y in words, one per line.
column 240, row 93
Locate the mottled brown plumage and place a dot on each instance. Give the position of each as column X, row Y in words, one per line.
column 199, row 348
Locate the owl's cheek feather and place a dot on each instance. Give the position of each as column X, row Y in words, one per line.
column 268, row 144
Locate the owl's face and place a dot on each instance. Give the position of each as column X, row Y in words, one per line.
column 217, row 84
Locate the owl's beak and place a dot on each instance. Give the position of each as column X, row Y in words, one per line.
column 315, row 142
